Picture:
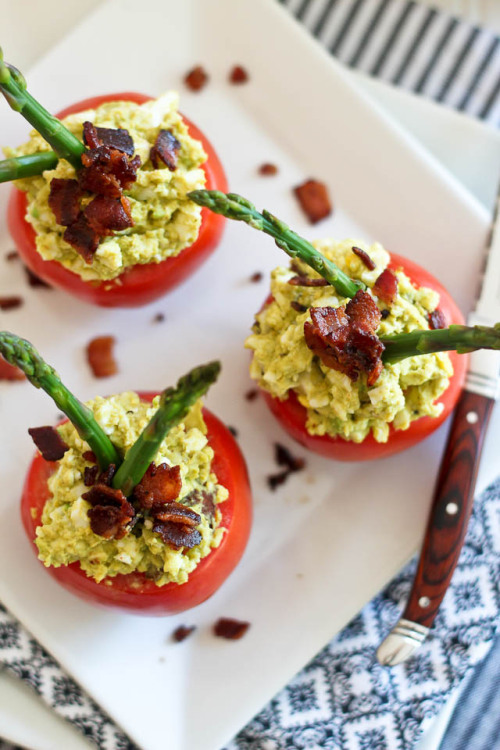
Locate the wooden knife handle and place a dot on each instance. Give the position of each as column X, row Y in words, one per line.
column 451, row 508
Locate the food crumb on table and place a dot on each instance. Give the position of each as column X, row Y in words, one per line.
column 268, row 170
column 256, row 277
column 231, row 629
column 182, row 632
column 314, row 200
column 100, row 356
column 196, row 79
column 238, row 75
column 10, row 302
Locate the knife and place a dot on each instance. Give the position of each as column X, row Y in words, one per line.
column 454, row 491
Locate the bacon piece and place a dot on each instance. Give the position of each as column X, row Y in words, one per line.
column 344, row 338
column 100, row 356
column 386, row 286
column 233, row 630
column 118, row 138
column 314, row 200
column 64, row 200
column 12, row 255
column 182, row 632
column 166, row 149
column 107, row 215
column 285, row 458
column 268, row 170
column 252, row 394
column 90, row 456
column 90, row 475
column 110, row 513
column 177, row 535
column 177, row 513
column 238, row 75
column 34, row 280
column 49, row 442
column 196, row 78
column 10, row 372
column 107, row 475
column 307, row 281
column 275, row 480
column 160, row 484
column 298, row 307
column 10, row 303
column 437, row 319
column 82, row 238
column 107, row 171
column 364, row 257
column 256, row 277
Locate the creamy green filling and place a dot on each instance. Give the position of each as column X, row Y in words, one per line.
column 65, row 535
column 335, row 404
column 165, row 220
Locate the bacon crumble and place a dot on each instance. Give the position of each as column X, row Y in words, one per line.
column 365, row 258
column 90, row 475
column 35, row 281
column 111, row 512
column 100, row 356
column 182, row 632
column 238, row 75
column 252, row 394
column 12, row 255
column 268, row 170
column 386, row 287
column 160, row 484
column 49, row 442
column 233, row 630
column 82, row 238
column 107, row 215
column 256, row 277
column 298, row 307
column 10, row 303
column 314, row 200
column 117, row 138
column 344, row 337
column 166, row 149
column 196, row 78
column 436, row 319
column 64, row 200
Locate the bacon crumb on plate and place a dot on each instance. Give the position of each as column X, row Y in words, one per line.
column 233, row 630
column 35, row 281
column 12, row 255
column 256, row 277
column 100, row 356
column 182, row 632
column 196, row 78
column 49, row 442
column 238, row 75
column 10, row 302
column 252, row 394
column 314, row 200
column 268, row 170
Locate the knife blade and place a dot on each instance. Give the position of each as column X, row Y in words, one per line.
column 454, row 491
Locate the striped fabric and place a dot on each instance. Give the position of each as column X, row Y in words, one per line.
column 413, row 46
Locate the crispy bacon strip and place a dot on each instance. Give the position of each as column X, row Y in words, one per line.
column 306, row 281
column 100, row 356
column 386, row 286
column 314, row 200
column 159, row 485
column 177, row 513
column 364, row 257
column 107, row 215
column 110, row 513
column 49, row 442
column 344, row 338
column 166, row 149
column 82, row 238
column 437, row 319
column 64, row 200
column 177, row 535
column 118, row 138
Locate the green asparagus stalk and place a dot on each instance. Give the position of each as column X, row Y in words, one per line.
column 18, row 167
column 234, row 206
column 175, row 404
column 462, row 339
column 13, row 87
column 22, row 354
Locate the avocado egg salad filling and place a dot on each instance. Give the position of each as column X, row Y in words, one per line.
column 173, row 520
column 285, row 359
column 128, row 203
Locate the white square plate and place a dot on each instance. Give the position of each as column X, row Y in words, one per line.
column 325, row 542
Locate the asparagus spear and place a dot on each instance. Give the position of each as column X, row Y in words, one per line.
column 234, row 206
column 18, row 167
column 459, row 338
column 22, row 354
column 175, row 404
column 13, row 87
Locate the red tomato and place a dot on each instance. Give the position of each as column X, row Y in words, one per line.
column 134, row 592
column 140, row 284
column 292, row 415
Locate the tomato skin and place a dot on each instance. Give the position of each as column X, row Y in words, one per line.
column 292, row 415
column 134, row 592
column 140, row 284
